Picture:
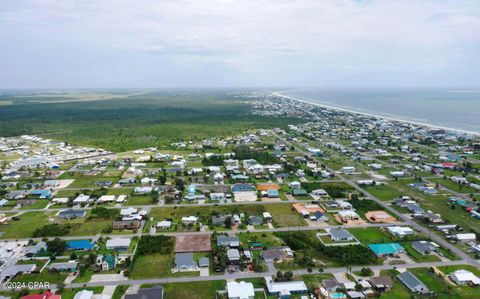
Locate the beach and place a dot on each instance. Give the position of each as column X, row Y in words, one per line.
column 391, row 118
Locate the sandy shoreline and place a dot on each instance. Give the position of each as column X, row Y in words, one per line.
column 279, row 94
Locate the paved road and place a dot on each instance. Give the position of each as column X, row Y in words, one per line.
column 231, row 232
column 271, row 272
column 439, row 240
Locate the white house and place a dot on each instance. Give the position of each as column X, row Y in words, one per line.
column 400, row 231
column 467, row 237
column 240, row 290
column 464, row 277
column 189, row 219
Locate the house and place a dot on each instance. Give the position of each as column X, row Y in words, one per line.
column 3, row 219
column 103, row 183
column 379, row 216
column 203, row 262
column 118, row 244
column 272, row 193
column 219, row 220
column 385, row 249
column 285, row 289
column 164, row 224
column 33, row 250
column 143, row 190
column 44, row 295
column 126, row 181
column 126, row 224
column 340, row 235
column 400, row 231
column 277, row 254
column 155, row 292
column 255, row 220
column 240, row 290
column 348, row 215
column 217, row 196
column 72, row 214
column 79, row 245
column 413, row 283
column 228, row 241
column 318, row 216
column 267, row 217
column 189, row 219
column 82, row 199
column 184, row 262
column 70, row 266
column 14, row 270
column 41, row 193
column 319, row 192
column 464, row 277
column 467, row 237
column 83, row 294
column 128, row 211
column 233, row 256
column 106, row 198
column 381, row 283
column 424, row 247
column 108, row 262
column 331, row 285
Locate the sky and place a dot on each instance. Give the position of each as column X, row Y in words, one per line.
column 229, row 43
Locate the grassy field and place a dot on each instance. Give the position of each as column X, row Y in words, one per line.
column 27, row 224
column 442, row 289
column 193, row 290
column 45, row 276
column 283, row 215
column 134, row 121
column 398, row 291
column 156, row 265
column 370, row 235
column 383, row 192
column 70, row 293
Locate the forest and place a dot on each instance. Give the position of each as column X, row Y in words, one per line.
column 152, row 118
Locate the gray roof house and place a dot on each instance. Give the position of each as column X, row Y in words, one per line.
column 155, row 292
column 340, row 235
column 423, row 247
column 223, row 240
column 185, row 262
column 64, row 267
column 233, row 255
column 14, row 270
column 34, row 249
column 71, row 213
column 413, row 283
column 203, row 262
column 255, row 220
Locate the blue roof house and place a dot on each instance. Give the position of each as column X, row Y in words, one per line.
column 79, row 245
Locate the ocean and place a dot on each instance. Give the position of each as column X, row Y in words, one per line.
column 455, row 109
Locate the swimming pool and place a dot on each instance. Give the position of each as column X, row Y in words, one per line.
column 337, row 296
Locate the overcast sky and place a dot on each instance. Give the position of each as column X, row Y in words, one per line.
column 184, row 43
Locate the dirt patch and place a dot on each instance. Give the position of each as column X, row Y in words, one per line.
column 193, row 243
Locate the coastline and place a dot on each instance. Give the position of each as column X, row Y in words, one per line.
column 462, row 131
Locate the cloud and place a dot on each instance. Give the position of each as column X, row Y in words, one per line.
column 251, row 37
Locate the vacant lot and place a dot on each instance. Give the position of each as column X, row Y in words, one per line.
column 27, row 224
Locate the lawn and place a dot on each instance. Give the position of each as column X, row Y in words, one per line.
column 453, row 186
column 193, row 290
column 39, row 204
column 119, row 291
column 70, row 293
column 27, row 224
column 370, row 235
column 284, row 215
column 442, row 289
column 44, row 276
column 398, row 291
column 267, row 239
column 417, row 256
column 140, row 200
column 383, row 192
column 156, row 265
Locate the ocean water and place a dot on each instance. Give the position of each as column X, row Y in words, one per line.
column 448, row 108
